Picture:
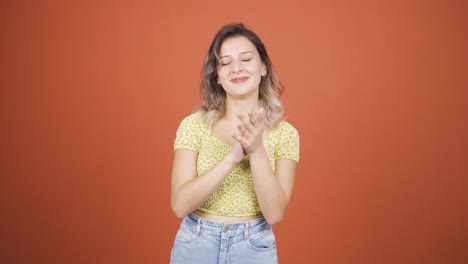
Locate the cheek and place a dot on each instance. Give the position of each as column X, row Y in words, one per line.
column 223, row 73
column 254, row 69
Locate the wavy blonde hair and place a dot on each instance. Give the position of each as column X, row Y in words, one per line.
column 214, row 96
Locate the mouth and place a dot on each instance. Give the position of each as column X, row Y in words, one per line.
column 239, row 80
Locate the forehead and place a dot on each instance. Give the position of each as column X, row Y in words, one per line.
column 235, row 45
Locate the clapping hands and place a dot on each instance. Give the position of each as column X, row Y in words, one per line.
column 250, row 130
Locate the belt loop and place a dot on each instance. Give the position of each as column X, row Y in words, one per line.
column 197, row 231
column 246, row 231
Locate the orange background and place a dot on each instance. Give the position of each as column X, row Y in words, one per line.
column 93, row 91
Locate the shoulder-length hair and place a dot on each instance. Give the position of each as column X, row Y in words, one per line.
column 214, row 96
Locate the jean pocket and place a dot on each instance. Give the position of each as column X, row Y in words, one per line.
column 262, row 241
column 185, row 234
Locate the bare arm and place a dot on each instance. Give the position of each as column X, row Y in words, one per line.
column 273, row 189
column 189, row 192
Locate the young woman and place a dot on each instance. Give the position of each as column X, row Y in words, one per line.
column 235, row 158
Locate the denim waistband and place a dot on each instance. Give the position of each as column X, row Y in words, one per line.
column 212, row 223
column 212, row 230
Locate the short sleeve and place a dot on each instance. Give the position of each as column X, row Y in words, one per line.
column 188, row 133
column 288, row 143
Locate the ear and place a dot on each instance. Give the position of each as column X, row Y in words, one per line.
column 264, row 70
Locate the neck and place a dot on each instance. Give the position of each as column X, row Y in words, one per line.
column 235, row 107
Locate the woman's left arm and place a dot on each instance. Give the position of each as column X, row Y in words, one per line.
column 273, row 189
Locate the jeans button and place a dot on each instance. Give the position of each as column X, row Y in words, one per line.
column 225, row 229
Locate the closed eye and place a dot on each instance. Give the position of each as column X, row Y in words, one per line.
column 224, row 63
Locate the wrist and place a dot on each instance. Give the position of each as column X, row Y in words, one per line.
column 231, row 160
column 257, row 152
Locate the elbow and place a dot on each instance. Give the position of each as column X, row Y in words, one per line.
column 274, row 219
column 179, row 211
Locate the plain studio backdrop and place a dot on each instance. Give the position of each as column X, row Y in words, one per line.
column 93, row 91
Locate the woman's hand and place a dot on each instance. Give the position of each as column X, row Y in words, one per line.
column 250, row 130
column 237, row 153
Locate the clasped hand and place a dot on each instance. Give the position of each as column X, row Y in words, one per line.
column 248, row 134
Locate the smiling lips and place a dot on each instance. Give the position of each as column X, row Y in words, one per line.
column 239, row 80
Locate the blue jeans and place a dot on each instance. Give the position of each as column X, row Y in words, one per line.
column 203, row 241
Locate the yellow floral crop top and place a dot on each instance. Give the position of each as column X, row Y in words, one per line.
column 236, row 195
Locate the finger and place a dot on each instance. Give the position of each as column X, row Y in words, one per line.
column 258, row 117
column 261, row 114
column 238, row 138
column 253, row 118
column 241, row 128
column 246, row 122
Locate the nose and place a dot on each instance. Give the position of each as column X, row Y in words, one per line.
column 236, row 66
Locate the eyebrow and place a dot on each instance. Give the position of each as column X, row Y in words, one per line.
column 244, row 52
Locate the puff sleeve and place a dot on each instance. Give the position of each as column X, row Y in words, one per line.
column 188, row 133
column 288, row 144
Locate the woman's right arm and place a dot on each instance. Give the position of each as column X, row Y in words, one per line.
column 189, row 192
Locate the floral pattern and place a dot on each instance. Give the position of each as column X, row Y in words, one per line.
column 236, row 195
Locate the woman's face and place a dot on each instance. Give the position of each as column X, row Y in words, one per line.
column 240, row 68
